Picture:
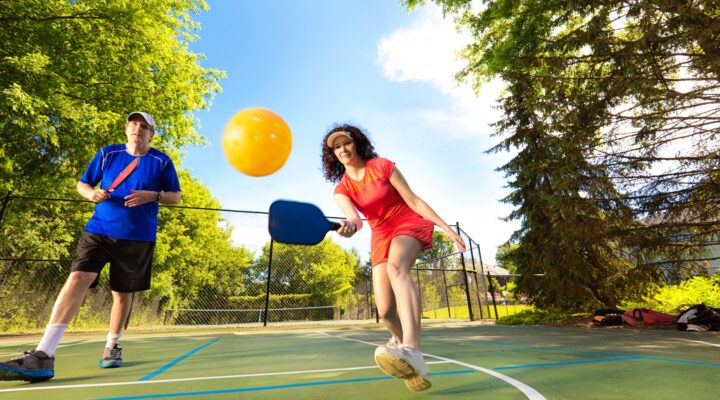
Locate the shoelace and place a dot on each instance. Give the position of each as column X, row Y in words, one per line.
column 23, row 355
column 115, row 352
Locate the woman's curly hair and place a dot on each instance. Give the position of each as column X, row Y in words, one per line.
column 332, row 168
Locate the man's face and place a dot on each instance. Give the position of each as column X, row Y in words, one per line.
column 138, row 131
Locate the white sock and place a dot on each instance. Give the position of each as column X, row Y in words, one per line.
column 112, row 339
column 51, row 338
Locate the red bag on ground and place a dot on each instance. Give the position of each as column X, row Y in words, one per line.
column 644, row 318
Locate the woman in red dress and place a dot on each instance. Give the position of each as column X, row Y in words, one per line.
column 401, row 226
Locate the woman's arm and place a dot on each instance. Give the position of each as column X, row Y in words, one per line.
column 353, row 222
column 421, row 207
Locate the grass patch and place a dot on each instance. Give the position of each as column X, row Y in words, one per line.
column 540, row 317
column 461, row 312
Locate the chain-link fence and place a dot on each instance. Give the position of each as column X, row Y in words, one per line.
column 216, row 267
column 502, row 296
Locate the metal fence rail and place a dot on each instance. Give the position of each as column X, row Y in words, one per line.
column 38, row 238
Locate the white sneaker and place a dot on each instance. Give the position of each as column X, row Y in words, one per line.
column 402, row 361
column 420, row 380
column 391, row 361
column 392, row 342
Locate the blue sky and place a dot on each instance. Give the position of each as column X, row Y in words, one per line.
column 367, row 62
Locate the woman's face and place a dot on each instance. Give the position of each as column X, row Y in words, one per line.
column 344, row 150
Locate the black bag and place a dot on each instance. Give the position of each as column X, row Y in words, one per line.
column 607, row 317
column 699, row 318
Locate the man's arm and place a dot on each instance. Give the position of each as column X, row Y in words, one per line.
column 92, row 194
column 169, row 198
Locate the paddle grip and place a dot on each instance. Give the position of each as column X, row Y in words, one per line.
column 334, row 226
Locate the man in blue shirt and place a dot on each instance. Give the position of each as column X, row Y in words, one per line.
column 127, row 182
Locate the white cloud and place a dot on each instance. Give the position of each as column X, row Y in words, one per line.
column 452, row 174
column 428, row 50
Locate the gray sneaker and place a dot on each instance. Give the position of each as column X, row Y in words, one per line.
column 32, row 366
column 112, row 358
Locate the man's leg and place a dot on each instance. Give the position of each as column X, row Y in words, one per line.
column 112, row 355
column 66, row 307
column 120, row 310
column 39, row 365
column 130, row 271
column 71, row 296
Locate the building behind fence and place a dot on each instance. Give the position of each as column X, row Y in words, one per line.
column 37, row 247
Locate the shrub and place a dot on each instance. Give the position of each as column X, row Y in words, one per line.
column 675, row 298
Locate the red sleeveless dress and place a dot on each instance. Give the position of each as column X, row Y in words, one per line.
column 386, row 212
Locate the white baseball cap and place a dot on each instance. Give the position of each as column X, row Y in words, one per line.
column 147, row 117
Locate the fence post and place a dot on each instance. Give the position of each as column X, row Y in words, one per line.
column 492, row 294
column 482, row 273
column 267, row 288
column 477, row 288
column 417, row 273
column 367, row 300
column 447, row 296
column 5, row 205
column 465, row 278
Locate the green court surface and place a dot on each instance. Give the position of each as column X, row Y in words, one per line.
column 467, row 360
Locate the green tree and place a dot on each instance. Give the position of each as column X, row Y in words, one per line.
column 70, row 71
column 196, row 263
column 442, row 247
column 324, row 272
column 593, row 98
column 430, row 291
column 503, row 259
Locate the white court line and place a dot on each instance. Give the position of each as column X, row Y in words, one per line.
column 531, row 393
column 62, row 345
column 124, row 339
column 700, row 341
column 311, row 371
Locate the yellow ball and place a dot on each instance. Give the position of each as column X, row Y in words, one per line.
column 257, row 142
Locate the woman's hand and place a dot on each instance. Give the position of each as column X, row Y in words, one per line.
column 347, row 229
column 459, row 242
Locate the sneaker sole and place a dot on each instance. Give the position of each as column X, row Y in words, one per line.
column 417, row 383
column 16, row 375
column 110, row 364
column 394, row 366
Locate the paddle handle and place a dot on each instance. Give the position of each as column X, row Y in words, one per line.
column 334, row 226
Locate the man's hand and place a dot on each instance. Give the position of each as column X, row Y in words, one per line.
column 139, row 197
column 98, row 195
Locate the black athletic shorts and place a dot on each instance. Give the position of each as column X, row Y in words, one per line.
column 130, row 261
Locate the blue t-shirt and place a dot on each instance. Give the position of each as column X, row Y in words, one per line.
column 155, row 171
